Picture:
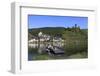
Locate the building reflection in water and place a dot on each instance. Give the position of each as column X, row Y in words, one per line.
column 42, row 46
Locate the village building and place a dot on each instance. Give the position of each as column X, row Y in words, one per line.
column 34, row 39
column 45, row 37
column 56, row 39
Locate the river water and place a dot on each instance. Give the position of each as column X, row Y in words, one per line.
column 36, row 51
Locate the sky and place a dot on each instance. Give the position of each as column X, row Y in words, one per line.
column 38, row 21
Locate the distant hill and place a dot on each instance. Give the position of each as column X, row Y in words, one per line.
column 52, row 28
column 52, row 31
column 47, row 30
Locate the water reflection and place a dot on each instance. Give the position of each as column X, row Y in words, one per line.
column 36, row 45
column 47, row 48
column 57, row 50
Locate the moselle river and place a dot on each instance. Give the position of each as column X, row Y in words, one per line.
column 37, row 51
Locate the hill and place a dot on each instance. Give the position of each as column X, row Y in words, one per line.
column 47, row 30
